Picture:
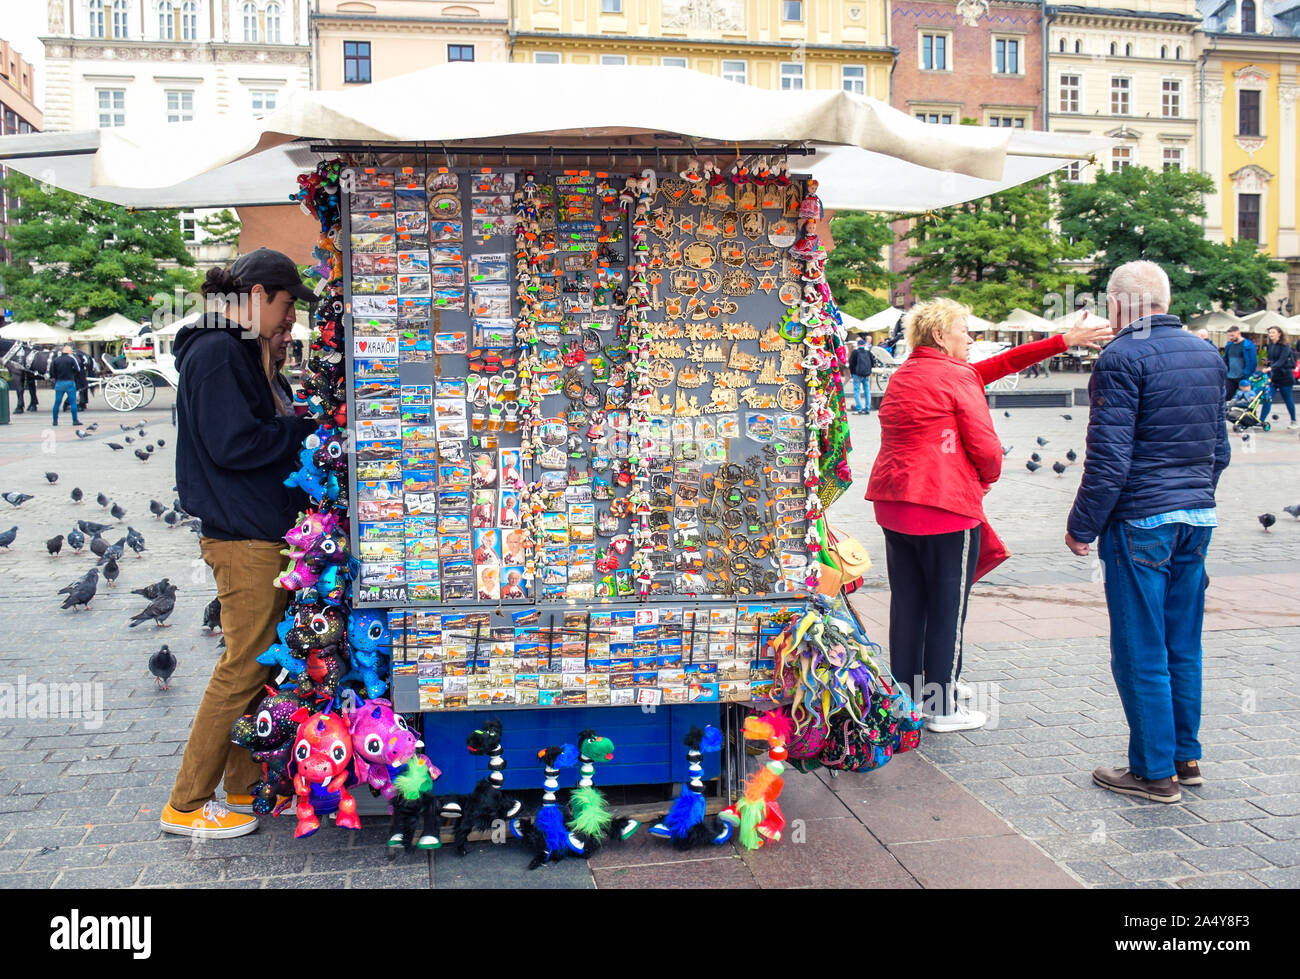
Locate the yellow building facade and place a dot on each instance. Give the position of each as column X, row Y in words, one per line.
column 775, row 44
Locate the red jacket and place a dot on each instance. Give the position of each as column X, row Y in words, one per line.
column 1018, row 358
column 937, row 443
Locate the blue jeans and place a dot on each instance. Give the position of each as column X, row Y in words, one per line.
column 861, row 392
column 1288, row 398
column 1155, row 593
column 66, row 389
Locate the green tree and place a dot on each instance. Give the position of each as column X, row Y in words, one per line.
column 994, row 254
column 73, row 254
column 221, row 228
column 1139, row 213
column 855, row 266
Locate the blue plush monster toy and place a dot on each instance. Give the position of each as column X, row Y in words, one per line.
column 369, row 642
column 279, row 653
column 318, row 482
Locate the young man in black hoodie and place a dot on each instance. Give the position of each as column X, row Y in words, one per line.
column 233, row 452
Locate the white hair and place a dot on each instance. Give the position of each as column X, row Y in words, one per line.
column 1139, row 288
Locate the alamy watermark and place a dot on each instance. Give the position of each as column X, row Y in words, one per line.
column 39, row 701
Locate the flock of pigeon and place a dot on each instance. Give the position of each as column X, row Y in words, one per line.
column 88, row 534
column 1035, row 462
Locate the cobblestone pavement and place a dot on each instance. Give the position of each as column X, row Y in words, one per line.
column 80, row 797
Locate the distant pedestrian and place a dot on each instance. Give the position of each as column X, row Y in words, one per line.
column 861, row 363
column 1241, row 357
column 1281, row 371
column 65, row 371
column 87, row 365
column 1157, row 444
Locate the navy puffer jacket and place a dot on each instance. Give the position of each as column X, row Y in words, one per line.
column 1157, row 439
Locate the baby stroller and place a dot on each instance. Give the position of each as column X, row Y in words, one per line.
column 1256, row 411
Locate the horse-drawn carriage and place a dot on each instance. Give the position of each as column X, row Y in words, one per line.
column 125, row 388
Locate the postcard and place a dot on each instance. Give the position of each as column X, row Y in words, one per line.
column 489, row 267
column 449, row 297
column 444, row 231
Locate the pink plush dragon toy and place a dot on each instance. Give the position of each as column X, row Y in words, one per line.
column 309, row 530
column 381, row 745
column 322, row 752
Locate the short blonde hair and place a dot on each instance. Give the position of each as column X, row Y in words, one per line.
column 924, row 318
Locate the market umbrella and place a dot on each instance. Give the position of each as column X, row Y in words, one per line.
column 1262, row 320
column 1217, row 322
column 112, row 327
column 29, row 331
column 883, row 321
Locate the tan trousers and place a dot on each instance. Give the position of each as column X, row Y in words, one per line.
column 251, row 608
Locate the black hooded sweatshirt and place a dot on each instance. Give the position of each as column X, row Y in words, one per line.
column 233, row 451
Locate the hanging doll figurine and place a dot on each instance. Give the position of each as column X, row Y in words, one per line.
column 811, row 205
column 412, row 800
column 757, row 813
column 592, row 822
column 546, row 832
column 487, row 803
column 686, row 823
column 809, row 244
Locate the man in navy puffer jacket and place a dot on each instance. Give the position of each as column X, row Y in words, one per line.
column 1157, row 443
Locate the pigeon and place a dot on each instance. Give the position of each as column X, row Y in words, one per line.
column 1072, row 455
column 135, row 541
column 92, row 528
column 162, row 665
column 81, row 435
column 1245, row 436
column 111, row 571
column 141, row 432
column 1041, row 441
column 149, row 448
column 54, row 545
column 158, row 609
column 176, row 505
column 1267, row 520
column 117, row 513
column 76, row 494
column 1036, row 457
column 1293, row 510
column 76, row 539
column 102, row 500
column 161, row 443
column 1032, row 466
column 128, row 440
column 125, row 428
column 1058, row 467
column 1006, row 450
column 1068, row 418
column 81, row 591
column 51, row 478
column 157, row 509
column 113, row 552
column 1007, row 414
column 7, row 537
column 1275, row 417
column 170, row 518
column 142, row 455
column 17, row 499
column 91, row 428
column 98, row 546
column 116, row 447
column 212, row 616
column 153, row 591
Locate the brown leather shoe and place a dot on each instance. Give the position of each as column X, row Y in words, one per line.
column 1123, row 781
column 1189, row 772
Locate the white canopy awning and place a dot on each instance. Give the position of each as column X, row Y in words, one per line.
column 112, row 327
column 869, row 155
column 29, row 331
column 1217, row 322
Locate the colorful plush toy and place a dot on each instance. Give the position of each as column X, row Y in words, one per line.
column 369, row 643
column 487, row 803
column 279, row 654
column 413, row 799
column 268, row 733
column 686, row 823
column 592, row 822
column 310, row 528
column 382, row 744
column 317, row 639
column 757, row 813
column 317, row 473
column 322, row 753
column 546, row 832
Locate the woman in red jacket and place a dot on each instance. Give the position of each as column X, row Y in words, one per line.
column 939, row 456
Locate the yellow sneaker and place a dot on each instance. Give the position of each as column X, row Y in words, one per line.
column 244, row 803
column 213, row 821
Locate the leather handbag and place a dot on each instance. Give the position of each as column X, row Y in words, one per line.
column 849, row 554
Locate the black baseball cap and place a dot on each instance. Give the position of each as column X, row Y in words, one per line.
column 272, row 270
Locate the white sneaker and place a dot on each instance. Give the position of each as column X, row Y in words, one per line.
column 964, row 691
column 961, row 720
column 1293, row 426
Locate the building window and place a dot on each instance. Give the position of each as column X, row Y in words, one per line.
column 1006, row 56
column 180, row 105
column 1128, row 50
column 112, row 107
column 356, row 61
column 934, row 52
column 263, row 101
column 1248, row 24
column 1248, row 217
column 460, row 52
column 1120, row 157
column 791, row 77
column 736, row 71
column 166, row 21
column 1164, row 51
column 1060, row 45
column 189, row 21
column 250, row 23
column 939, row 118
column 1172, row 158
column 1171, row 98
column 1070, row 85
column 1119, row 93
column 673, row 62
column 1074, row 172
column 546, row 58
column 792, row 10
column 611, row 6
column 1248, row 113
column 1114, row 49
column 1078, row 47
column 96, row 24
column 272, row 23
column 119, row 19
column 613, row 59
column 189, row 227
column 854, row 79
column 1007, row 122
column 1178, row 53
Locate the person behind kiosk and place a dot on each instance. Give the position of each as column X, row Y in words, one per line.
column 234, row 448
